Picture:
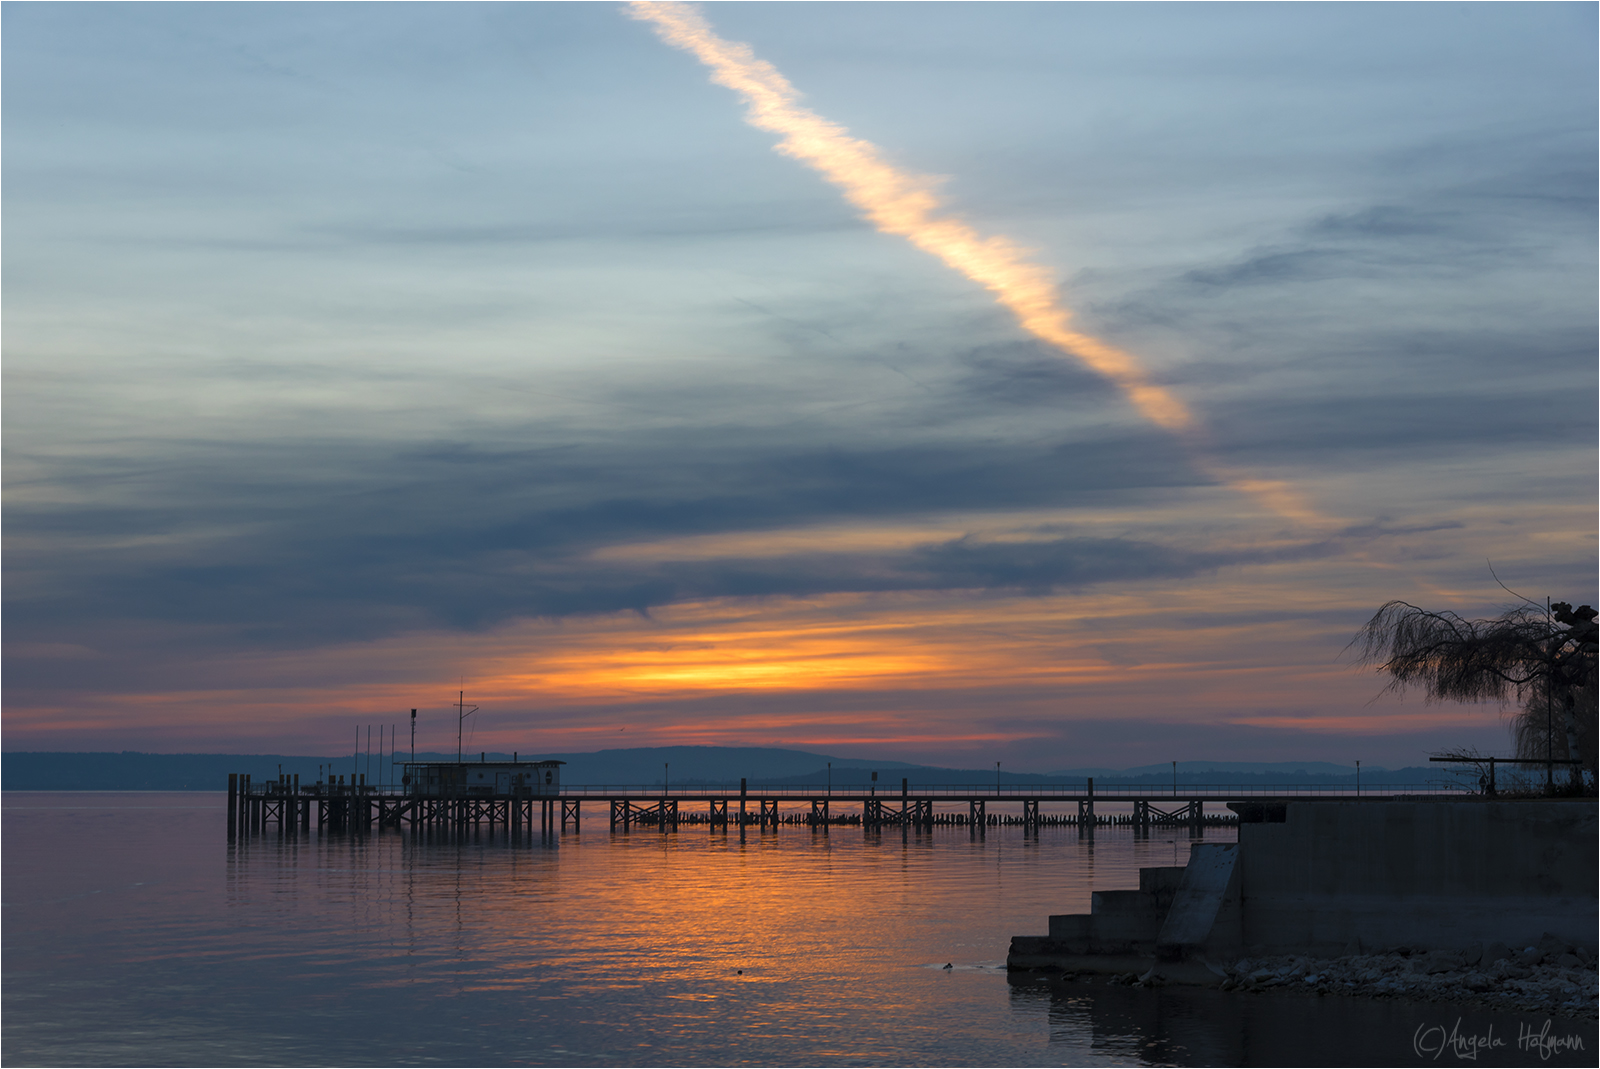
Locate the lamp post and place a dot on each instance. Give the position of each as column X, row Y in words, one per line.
column 1549, row 714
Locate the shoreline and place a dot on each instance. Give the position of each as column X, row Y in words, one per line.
column 1533, row 980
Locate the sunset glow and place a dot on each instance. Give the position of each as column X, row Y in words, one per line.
column 1066, row 389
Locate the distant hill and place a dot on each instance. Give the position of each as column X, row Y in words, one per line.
column 132, row 771
column 135, row 771
column 684, row 766
column 705, row 764
column 1324, row 768
column 1106, row 778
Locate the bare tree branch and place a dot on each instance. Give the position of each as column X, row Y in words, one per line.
column 1451, row 658
column 1545, row 660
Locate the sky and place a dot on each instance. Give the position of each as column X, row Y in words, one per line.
column 358, row 355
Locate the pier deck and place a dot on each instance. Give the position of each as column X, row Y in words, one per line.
column 284, row 805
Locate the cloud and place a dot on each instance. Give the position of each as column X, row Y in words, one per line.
column 307, row 354
column 1389, row 221
column 1436, row 223
column 304, row 542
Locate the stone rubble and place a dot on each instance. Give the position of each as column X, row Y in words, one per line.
column 1552, row 978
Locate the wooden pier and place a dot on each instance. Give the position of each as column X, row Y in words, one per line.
column 285, row 806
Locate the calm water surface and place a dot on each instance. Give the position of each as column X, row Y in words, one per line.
column 135, row 934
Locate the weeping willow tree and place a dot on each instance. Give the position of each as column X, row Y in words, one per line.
column 1544, row 659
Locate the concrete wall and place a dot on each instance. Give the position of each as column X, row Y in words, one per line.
column 1204, row 920
column 1342, row 877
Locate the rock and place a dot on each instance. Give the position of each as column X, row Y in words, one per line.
column 1443, row 962
column 1568, row 961
column 1496, row 980
column 1552, row 945
column 1472, row 954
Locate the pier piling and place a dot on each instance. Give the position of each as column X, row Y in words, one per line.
column 349, row 805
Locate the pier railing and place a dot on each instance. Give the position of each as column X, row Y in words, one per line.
column 954, row 791
column 287, row 805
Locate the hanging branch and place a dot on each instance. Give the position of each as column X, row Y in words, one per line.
column 1544, row 659
column 1452, row 658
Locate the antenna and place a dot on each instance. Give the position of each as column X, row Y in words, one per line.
column 462, row 712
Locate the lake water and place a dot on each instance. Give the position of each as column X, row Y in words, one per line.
column 135, row 934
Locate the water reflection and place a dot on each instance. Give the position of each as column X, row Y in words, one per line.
column 1192, row 1026
column 136, row 934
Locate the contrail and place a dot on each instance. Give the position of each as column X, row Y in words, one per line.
column 904, row 203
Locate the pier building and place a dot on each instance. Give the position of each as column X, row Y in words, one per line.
column 443, row 779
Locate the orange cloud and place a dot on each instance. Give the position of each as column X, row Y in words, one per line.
column 916, row 671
